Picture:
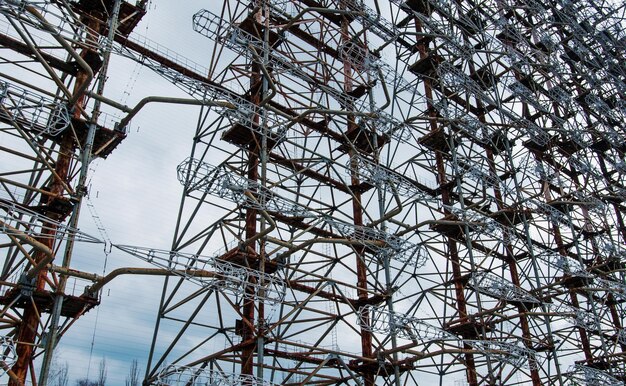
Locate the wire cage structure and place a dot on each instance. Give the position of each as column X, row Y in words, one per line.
column 437, row 185
column 55, row 56
column 402, row 192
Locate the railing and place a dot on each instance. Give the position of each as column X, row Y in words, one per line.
column 198, row 175
column 32, row 111
column 17, row 220
column 199, row 375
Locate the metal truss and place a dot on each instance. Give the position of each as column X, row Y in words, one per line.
column 222, row 183
column 378, row 319
column 584, row 375
column 493, row 285
column 402, row 192
column 385, row 245
column 18, row 221
column 392, row 181
column 55, row 55
column 460, row 163
column 33, row 112
column 8, row 355
column 507, row 352
column 580, row 318
column 214, row 274
column 181, row 375
column 564, row 264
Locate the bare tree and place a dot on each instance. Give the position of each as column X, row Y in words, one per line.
column 86, row 382
column 102, row 373
column 133, row 376
column 59, row 374
column 102, row 376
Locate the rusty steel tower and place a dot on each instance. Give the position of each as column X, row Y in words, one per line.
column 55, row 56
column 378, row 192
column 402, row 192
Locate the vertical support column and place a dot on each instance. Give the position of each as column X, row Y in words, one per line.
column 584, row 339
column 453, row 253
column 247, row 355
column 510, row 259
column 357, row 210
column 253, row 161
column 29, row 326
column 28, row 329
column 81, row 191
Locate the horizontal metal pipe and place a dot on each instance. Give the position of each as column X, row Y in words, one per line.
column 101, row 281
column 159, row 99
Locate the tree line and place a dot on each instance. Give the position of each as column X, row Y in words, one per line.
column 59, row 375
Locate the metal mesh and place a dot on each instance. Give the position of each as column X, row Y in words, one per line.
column 184, row 376
column 497, row 287
column 217, row 274
column 32, row 111
column 394, row 323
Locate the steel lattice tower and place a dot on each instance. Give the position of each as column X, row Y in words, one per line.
column 408, row 192
column 55, row 57
column 394, row 193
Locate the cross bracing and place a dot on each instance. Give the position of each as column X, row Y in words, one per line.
column 437, row 183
